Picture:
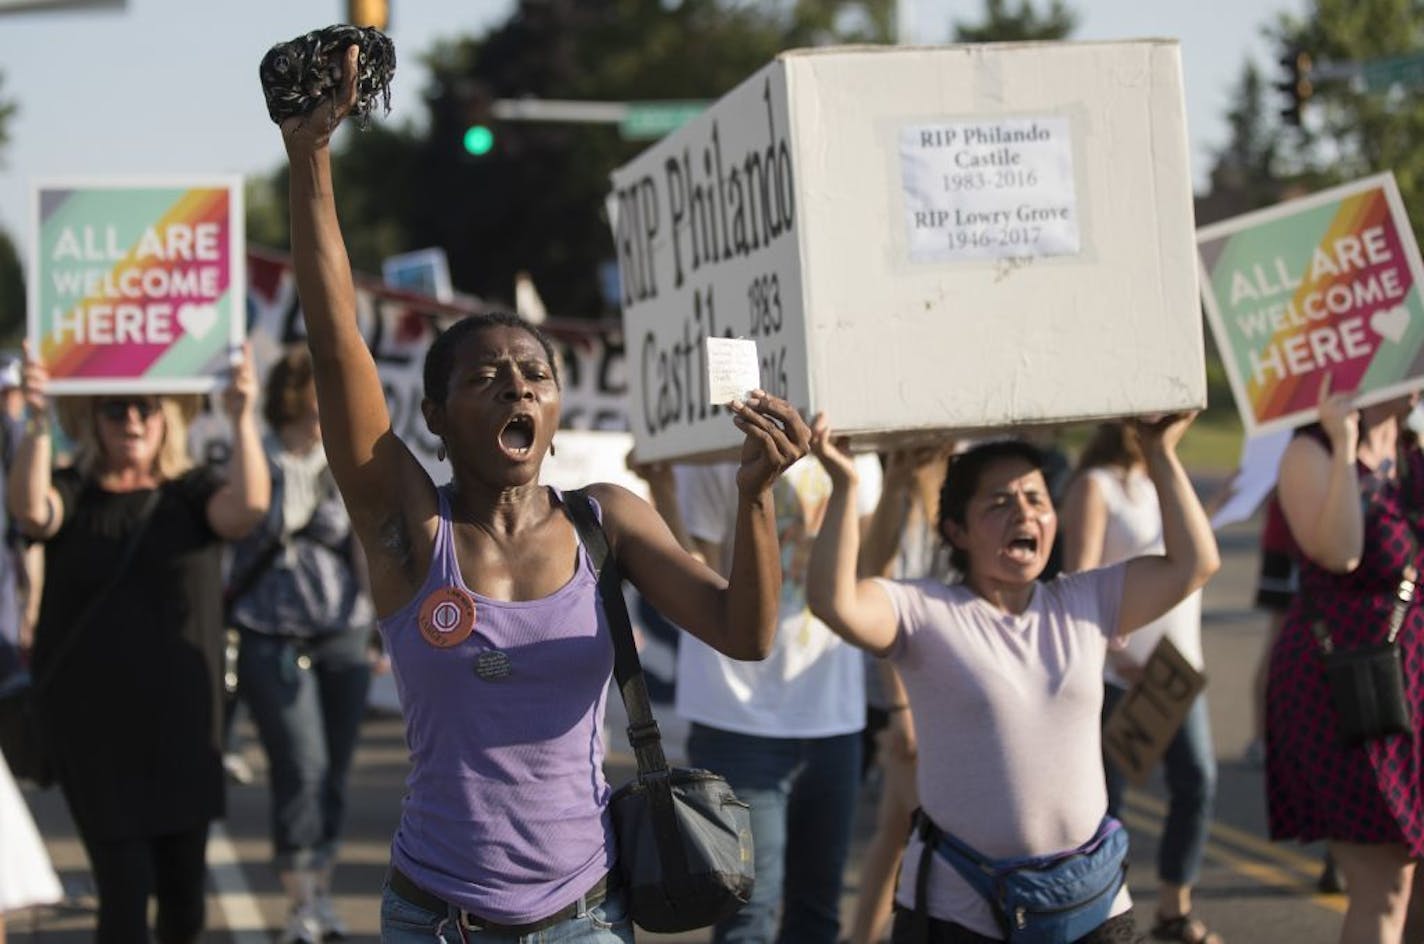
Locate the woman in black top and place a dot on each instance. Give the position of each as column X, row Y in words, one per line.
column 134, row 709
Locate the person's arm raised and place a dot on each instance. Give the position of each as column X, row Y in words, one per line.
column 1319, row 490
column 882, row 534
column 1083, row 524
column 382, row 483
column 1154, row 583
column 857, row 610
column 237, row 507
column 737, row 616
column 33, row 502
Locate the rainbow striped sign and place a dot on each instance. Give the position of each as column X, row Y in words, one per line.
column 137, row 285
column 1327, row 284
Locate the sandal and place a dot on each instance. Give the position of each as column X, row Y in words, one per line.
column 1185, row 930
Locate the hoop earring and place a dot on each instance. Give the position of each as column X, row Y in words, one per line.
column 440, row 452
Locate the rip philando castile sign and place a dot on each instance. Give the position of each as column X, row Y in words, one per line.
column 704, row 225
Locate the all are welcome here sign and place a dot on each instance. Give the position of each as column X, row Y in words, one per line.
column 137, row 286
column 1327, row 284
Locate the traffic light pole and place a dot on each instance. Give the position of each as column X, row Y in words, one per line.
column 559, row 110
column 636, row 121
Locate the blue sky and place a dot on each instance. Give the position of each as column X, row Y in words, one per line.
column 170, row 86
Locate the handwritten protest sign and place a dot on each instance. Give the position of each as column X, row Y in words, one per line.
column 1137, row 733
column 137, row 286
column 1327, row 284
column 732, row 369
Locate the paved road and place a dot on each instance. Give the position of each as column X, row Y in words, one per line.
column 1251, row 890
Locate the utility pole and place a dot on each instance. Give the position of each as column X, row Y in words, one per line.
column 904, row 22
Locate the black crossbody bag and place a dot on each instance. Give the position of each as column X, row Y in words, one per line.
column 684, row 839
column 1367, row 683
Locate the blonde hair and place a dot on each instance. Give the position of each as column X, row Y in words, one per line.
column 79, row 416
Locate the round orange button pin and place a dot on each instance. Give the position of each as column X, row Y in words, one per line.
column 447, row 617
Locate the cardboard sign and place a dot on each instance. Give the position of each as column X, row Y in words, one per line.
column 919, row 241
column 1327, row 284
column 137, row 286
column 1144, row 722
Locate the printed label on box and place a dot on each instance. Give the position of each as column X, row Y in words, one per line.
column 989, row 189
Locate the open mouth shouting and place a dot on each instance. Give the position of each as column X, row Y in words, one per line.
column 516, row 437
column 1022, row 548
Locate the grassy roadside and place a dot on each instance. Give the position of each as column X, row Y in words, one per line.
column 1213, row 445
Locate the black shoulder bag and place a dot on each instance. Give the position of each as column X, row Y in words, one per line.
column 1367, row 683
column 21, row 736
column 684, row 839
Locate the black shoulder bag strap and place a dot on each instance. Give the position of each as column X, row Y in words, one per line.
column 643, row 733
column 92, row 607
column 1403, row 599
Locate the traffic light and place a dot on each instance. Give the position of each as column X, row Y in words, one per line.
column 472, row 111
column 1296, row 85
column 374, row 13
column 478, row 139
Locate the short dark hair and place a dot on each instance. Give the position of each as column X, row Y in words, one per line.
column 287, row 380
column 961, row 481
column 440, row 358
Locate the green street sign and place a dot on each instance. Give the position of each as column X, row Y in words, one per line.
column 651, row 120
column 1380, row 75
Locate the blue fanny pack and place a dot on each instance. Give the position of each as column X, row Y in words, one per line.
column 1052, row 899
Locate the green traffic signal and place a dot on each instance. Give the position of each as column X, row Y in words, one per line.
column 479, row 140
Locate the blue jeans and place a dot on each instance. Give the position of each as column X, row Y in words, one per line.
column 307, row 699
column 1190, row 766
column 605, row 923
column 802, row 794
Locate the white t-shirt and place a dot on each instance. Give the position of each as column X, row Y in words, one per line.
column 812, row 684
column 1008, row 715
column 1134, row 528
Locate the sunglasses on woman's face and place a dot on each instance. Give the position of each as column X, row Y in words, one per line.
column 117, row 411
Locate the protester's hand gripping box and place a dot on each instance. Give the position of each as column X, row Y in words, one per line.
column 948, row 238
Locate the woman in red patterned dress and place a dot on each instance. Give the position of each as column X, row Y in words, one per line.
column 1352, row 489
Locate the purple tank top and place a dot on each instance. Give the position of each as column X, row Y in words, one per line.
column 506, row 810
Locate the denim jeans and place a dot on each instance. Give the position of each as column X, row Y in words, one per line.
column 1190, row 766
column 307, row 700
column 405, row 923
column 802, row 794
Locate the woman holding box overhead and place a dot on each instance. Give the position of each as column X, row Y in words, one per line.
column 487, row 603
column 994, row 656
column 1111, row 514
column 1352, row 490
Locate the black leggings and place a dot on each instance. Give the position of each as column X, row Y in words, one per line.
column 1119, row 930
column 171, row 867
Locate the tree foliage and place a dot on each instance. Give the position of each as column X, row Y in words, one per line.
column 1247, row 171
column 1017, row 22
column 1349, row 130
column 535, row 203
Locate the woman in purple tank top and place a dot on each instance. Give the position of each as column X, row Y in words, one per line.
column 489, row 609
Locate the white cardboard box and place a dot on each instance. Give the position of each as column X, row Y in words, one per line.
column 919, row 239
